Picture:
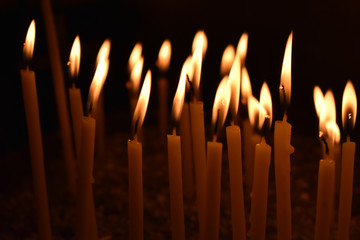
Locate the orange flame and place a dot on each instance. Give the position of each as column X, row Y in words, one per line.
column 242, row 46
column 221, row 103
column 333, row 131
column 200, row 37
column 227, row 59
column 253, row 109
column 318, row 100
column 349, row 105
column 199, row 43
column 135, row 75
column 98, row 82
column 266, row 104
column 178, row 101
column 141, row 105
column 164, row 56
column 74, row 60
column 28, row 49
column 285, row 82
column 234, row 78
column 135, row 55
column 246, row 90
column 328, row 110
column 104, row 51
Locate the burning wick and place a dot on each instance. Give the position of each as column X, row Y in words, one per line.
column 192, row 90
column 216, row 130
column 283, row 97
column 349, row 125
column 322, row 138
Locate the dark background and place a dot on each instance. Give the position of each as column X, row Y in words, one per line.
column 325, row 52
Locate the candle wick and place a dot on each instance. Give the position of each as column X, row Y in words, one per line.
column 348, row 138
column 323, row 139
column 192, row 89
column 232, row 123
column 285, row 117
column 135, row 137
column 283, row 97
column 27, row 67
column 214, row 138
column 174, row 131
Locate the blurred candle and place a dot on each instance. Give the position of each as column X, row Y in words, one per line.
column 31, row 107
column 349, row 111
column 133, row 84
column 136, row 206
column 282, row 151
column 227, row 60
column 135, row 55
column 262, row 160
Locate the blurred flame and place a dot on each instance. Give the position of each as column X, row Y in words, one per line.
column 246, row 90
column 242, row 46
column 266, row 104
column 221, row 104
column 141, row 105
column 197, row 60
column 135, row 75
column 104, row 51
column 135, row 55
column 234, row 78
column 164, row 56
column 333, row 132
column 179, row 97
column 227, row 59
column 318, row 100
column 285, row 81
column 75, row 55
column 200, row 36
column 328, row 110
column 349, row 105
column 28, row 49
column 98, row 82
column 253, row 109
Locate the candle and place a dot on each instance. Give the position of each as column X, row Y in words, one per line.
column 227, row 60
column 31, row 107
column 282, row 151
column 163, row 63
column 174, row 159
column 60, row 95
column 134, row 56
column 136, row 230
column 349, row 110
column 261, row 171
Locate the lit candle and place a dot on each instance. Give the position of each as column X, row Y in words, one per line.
column 60, row 95
column 261, row 171
column 174, row 159
column 31, row 107
column 163, row 63
column 282, row 151
column 349, row 110
column 198, row 129
column 134, row 56
column 136, row 206
column 86, row 207
column 135, row 67
column 227, row 60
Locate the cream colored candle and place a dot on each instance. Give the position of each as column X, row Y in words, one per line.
column 233, row 136
column 31, row 107
column 60, row 95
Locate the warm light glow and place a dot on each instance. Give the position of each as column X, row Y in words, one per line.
column 98, row 82
column 221, row 104
column 179, row 97
column 253, row 110
column 227, row 59
column 197, row 62
column 234, row 78
column 328, row 110
column 135, row 75
column 74, row 60
column 266, row 104
column 164, row 56
column 246, row 90
column 333, row 132
column 104, row 51
column 29, row 41
column 349, row 105
column 141, row 105
column 285, row 82
column 242, row 46
column 318, row 100
column 135, row 55
column 200, row 36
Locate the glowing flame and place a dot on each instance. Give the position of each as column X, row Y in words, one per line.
column 74, row 60
column 242, row 46
column 328, row 110
column 234, row 78
column 104, row 51
column 164, row 56
column 200, row 37
column 253, row 110
column 318, row 100
column 141, row 106
column 285, row 82
column 246, row 90
column 333, row 132
column 221, row 104
column 349, row 105
column 266, row 104
column 197, row 60
column 28, row 49
column 135, row 75
column 227, row 59
column 98, row 83
column 178, row 101
column 135, row 55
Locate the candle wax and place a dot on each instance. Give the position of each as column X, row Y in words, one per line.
column 163, row 93
column 76, row 115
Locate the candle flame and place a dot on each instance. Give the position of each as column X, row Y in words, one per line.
column 28, row 49
column 253, row 110
column 200, row 37
column 164, row 56
column 104, row 51
column 266, row 104
column 285, row 82
column 246, row 90
column 242, row 46
column 318, row 100
column 135, row 75
column 75, row 55
column 198, row 52
column 349, row 105
column 333, row 132
column 135, row 55
column 328, row 110
column 179, row 97
column 221, row 104
column 141, row 105
column 227, row 59
column 234, row 78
